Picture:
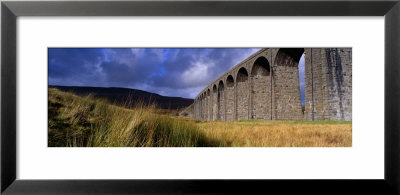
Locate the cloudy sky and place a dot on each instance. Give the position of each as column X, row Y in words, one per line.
column 181, row 72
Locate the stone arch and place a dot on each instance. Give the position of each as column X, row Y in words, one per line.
column 230, row 98
column 242, row 75
column 221, row 100
column 215, row 103
column 287, row 101
column 230, row 82
column 289, row 57
column 260, row 89
column 242, row 94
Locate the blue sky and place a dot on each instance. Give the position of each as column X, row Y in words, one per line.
column 302, row 79
column 181, row 72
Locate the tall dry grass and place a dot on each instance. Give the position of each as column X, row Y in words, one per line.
column 87, row 122
column 261, row 133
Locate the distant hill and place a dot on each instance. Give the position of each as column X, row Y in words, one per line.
column 128, row 97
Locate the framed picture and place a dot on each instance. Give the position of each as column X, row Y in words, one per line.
column 257, row 92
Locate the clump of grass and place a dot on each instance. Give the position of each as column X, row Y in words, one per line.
column 87, row 122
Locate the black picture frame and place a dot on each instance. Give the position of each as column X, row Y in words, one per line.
column 10, row 10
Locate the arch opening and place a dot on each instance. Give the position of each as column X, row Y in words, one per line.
column 261, row 67
column 289, row 57
column 221, row 85
column 214, row 103
column 242, row 75
column 286, row 78
column 229, row 81
column 260, row 88
column 220, row 99
column 242, row 94
column 230, row 98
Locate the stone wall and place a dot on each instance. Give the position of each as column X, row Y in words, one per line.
column 230, row 101
column 266, row 86
column 215, row 103
column 242, row 95
column 329, row 77
column 221, row 101
column 260, row 90
column 286, row 86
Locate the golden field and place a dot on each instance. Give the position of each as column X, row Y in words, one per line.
column 76, row 121
column 261, row 133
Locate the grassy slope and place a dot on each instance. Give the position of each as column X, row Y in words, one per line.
column 84, row 121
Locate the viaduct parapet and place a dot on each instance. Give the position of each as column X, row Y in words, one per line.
column 266, row 86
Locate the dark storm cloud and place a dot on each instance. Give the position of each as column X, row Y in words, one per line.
column 198, row 67
column 69, row 66
column 126, row 67
column 172, row 72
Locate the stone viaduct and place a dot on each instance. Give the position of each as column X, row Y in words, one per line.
column 266, row 86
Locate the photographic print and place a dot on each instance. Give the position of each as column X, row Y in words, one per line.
column 199, row 97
